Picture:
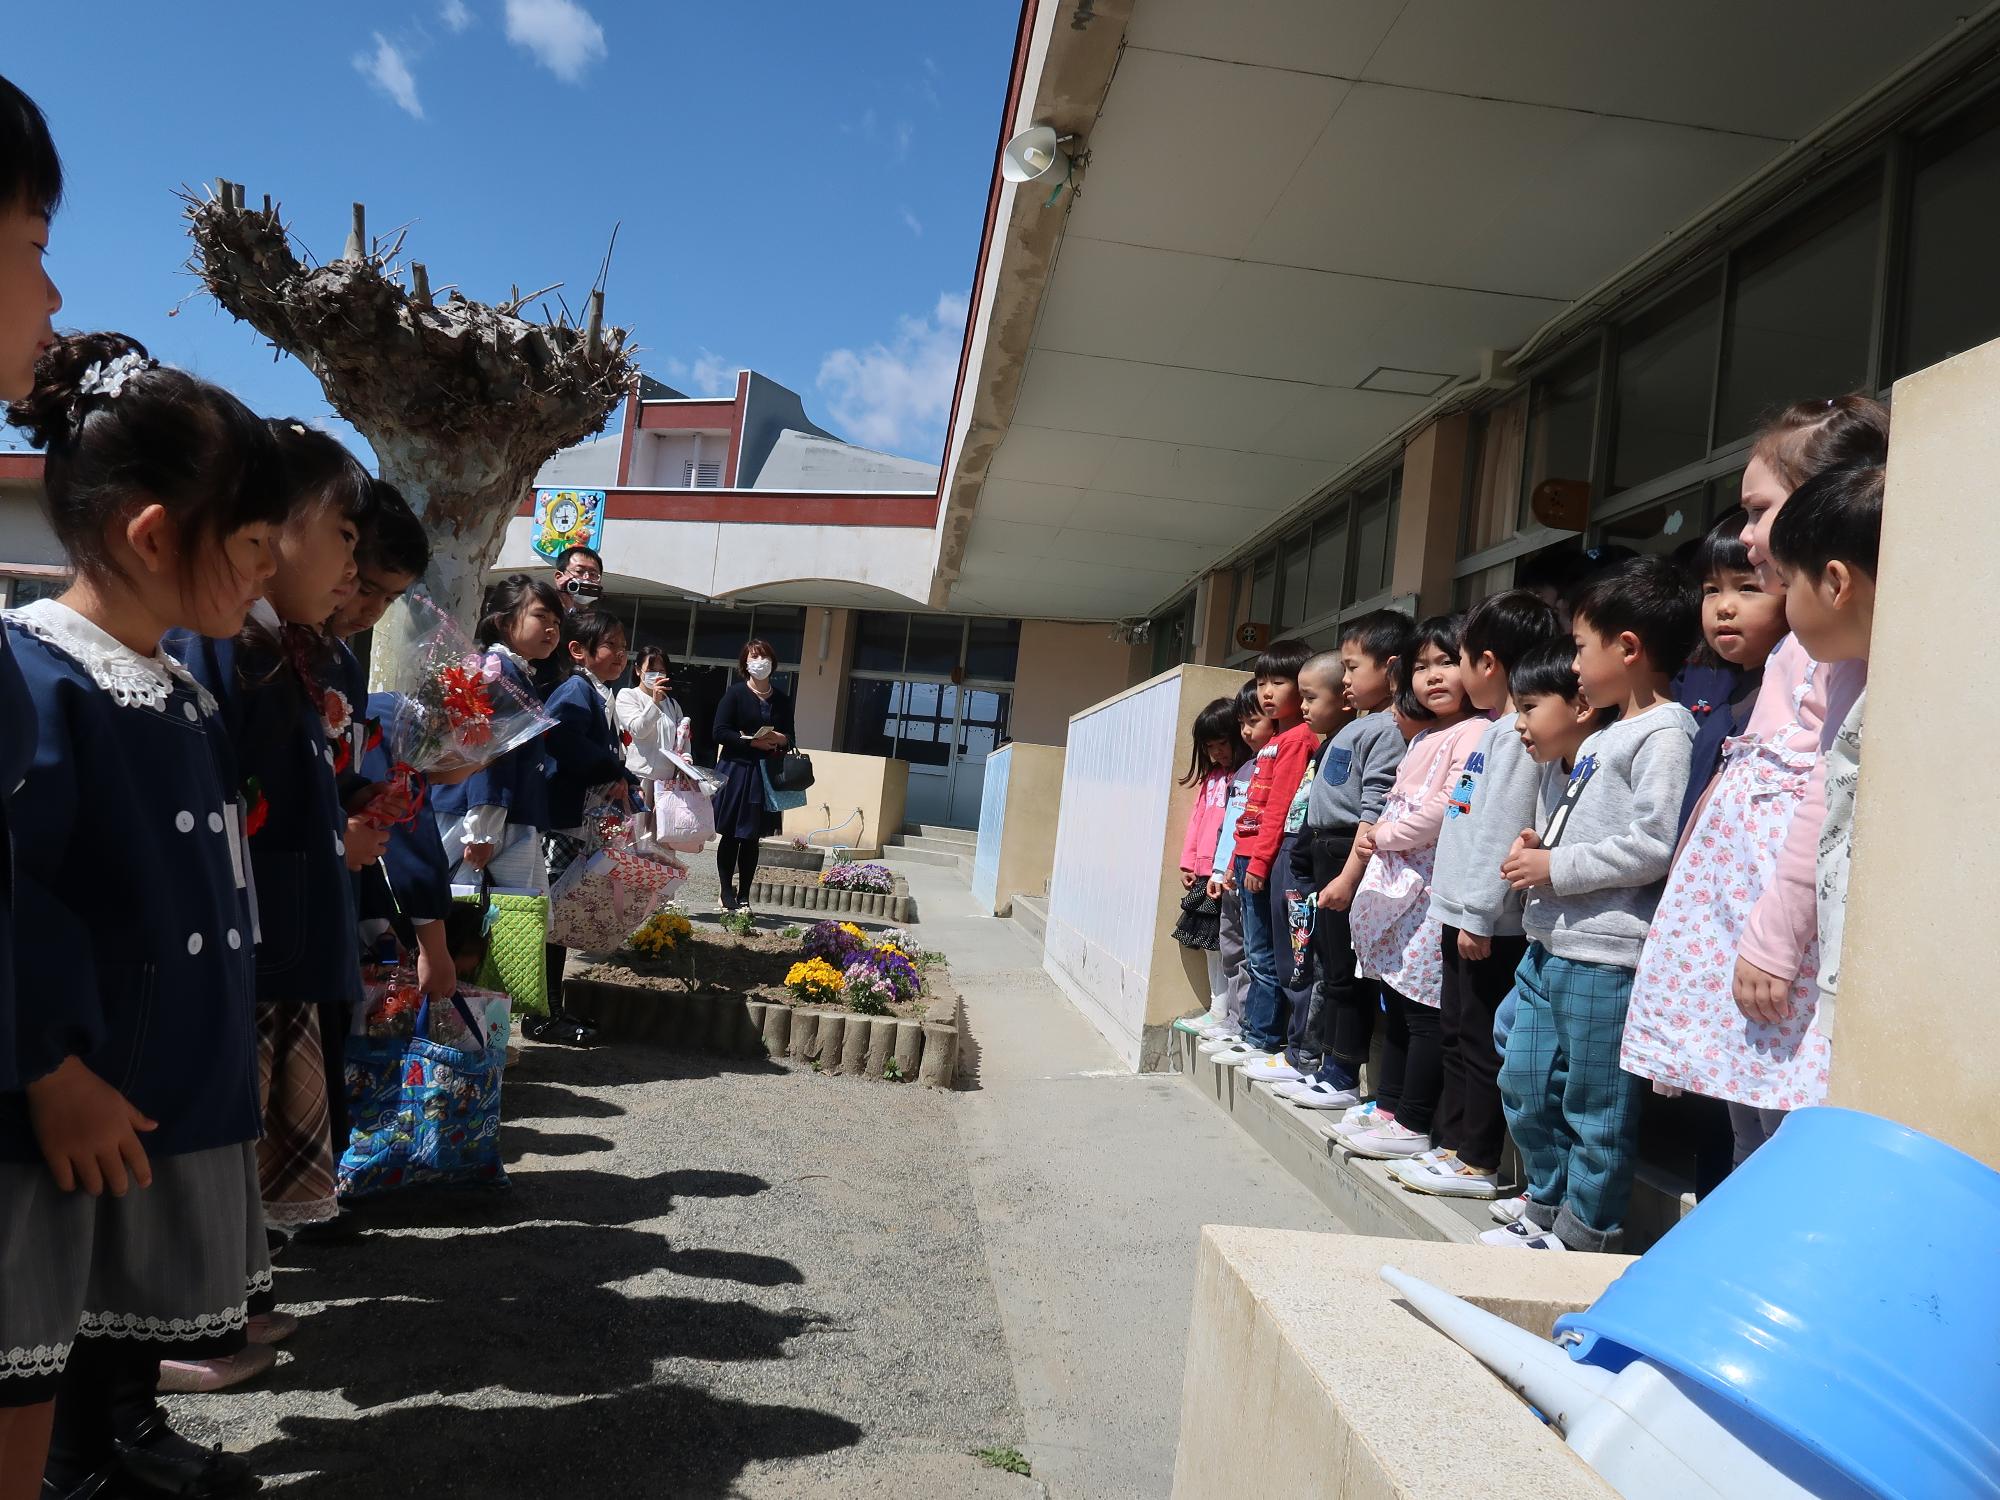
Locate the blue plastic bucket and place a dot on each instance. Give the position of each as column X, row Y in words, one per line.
column 1842, row 1286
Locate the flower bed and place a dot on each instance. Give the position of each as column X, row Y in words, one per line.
column 878, row 880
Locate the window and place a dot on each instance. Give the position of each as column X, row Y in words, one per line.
column 1666, row 373
column 1663, row 526
column 784, row 626
column 661, row 623
column 28, row 590
column 1169, row 638
column 1469, row 590
column 935, row 644
column 1328, row 574
column 1263, row 585
column 1294, row 554
column 1951, row 298
column 879, row 640
column 1801, row 303
column 1562, row 413
column 1494, row 504
column 992, row 648
column 719, row 632
column 705, row 475
column 1374, row 541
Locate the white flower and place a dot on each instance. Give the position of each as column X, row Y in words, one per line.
column 108, row 377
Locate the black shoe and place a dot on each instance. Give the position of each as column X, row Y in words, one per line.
column 560, row 1030
column 156, row 1460
column 340, row 1230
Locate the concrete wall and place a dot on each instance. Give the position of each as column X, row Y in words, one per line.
column 1427, row 516
column 1115, row 890
column 820, row 699
column 1017, row 824
column 1914, row 1035
column 1062, row 669
column 842, row 783
column 769, row 409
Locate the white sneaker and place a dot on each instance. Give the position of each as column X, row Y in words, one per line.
column 1508, row 1210
column 1193, row 1025
column 1360, row 1119
column 1272, row 1068
column 1521, row 1235
column 1220, row 1026
column 1387, row 1142
column 1311, row 1093
column 1445, row 1176
column 1238, row 1054
column 1220, row 1043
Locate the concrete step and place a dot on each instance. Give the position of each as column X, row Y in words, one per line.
column 966, row 836
column 1032, row 914
column 897, row 852
column 962, row 848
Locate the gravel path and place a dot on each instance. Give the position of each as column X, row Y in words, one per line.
column 709, row 1278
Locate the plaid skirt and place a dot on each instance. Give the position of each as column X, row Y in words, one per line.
column 172, row 1264
column 295, row 1158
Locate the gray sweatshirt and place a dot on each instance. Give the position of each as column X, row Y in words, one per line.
column 1497, row 795
column 1355, row 773
column 1613, row 823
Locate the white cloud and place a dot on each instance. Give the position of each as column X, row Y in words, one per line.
column 390, row 72
column 903, row 134
column 896, row 395
column 927, row 85
column 913, row 223
column 456, row 16
column 707, row 374
column 563, row 36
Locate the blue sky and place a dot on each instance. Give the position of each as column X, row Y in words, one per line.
column 801, row 185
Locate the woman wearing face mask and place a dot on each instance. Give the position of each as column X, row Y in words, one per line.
column 753, row 727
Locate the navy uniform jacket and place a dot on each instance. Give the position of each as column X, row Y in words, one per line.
column 127, row 857
column 418, row 872
column 17, row 743
column 585, row 749
column 1710, row 693
column 307, row 954
column 517, row 781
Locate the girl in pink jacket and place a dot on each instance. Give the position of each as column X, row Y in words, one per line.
column 1725, row 1001
column 1218, row 751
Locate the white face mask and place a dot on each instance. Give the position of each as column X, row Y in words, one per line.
column 758, row 667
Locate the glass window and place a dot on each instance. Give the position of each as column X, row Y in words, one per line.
column 719, row 632
column 1239, row 600
column 992, row 650
column 1374, row 535
column 1663, row 527
column 923, row 714
column 936, row 645
column 1293, row 555
column 1666, row 371
column 869, row 730
column 1469, row 590
column 1169, row 635
column 663, row 624
column 1329, row 564
column 1562, row 409
column 1951, row 298
column 28, row 590
column 784, row 626
column 1263, row 584
column 1495, row 501
column 1801, row 303
column 878, row 641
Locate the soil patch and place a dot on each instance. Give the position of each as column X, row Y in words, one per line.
column 752, row 968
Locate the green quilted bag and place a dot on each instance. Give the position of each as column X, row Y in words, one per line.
column 515, row 935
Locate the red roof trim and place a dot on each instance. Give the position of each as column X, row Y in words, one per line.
column 767, row 507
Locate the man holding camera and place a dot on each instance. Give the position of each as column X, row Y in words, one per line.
column 579, row 583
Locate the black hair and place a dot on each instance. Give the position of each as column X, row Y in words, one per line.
column 319, row 471
column 1445, row 632
column 465, row 931
column 393, row 540
column 1509, row 625
column 1283, row 658
column 647, row 654
column 1546, row 670
column 563, row 557
column 1382, row 633
column 591, row 628
column 509, row 597
column 1215, row 722
column 31, row 174
column 165, row 437
column 1652, row 599
column 1248, row 705
column 755, row 646
column 1836, row 516
column 1720, row 551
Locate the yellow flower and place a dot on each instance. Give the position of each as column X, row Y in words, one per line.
column 852, row 931
column 815, row 979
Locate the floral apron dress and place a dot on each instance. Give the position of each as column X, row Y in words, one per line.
column 1683, row 1027
column 1396, row 939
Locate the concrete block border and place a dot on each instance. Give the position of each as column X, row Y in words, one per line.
column 894, row 906
column 925, row 1051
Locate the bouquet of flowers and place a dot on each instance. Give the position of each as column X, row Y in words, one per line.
column 455, row 709
column 611, row 889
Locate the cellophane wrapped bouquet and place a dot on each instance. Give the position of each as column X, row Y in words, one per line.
column 609, row 891
column 456, row 709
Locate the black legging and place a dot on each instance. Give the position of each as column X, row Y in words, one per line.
column 1412, row 1062
column 736, row 861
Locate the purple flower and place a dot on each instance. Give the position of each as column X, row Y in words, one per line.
column 832, row 942
column 853, row 877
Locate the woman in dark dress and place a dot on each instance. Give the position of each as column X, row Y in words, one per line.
column 753, row 727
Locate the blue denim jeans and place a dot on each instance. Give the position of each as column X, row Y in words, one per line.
column 1260, row 961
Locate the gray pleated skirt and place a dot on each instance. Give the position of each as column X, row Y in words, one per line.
column 172, row 1264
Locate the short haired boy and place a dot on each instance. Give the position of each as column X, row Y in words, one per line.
column 1495, row 798
column 1260, row 841
column 1328, row 1039
column 1825, row 544
column 1593, row 877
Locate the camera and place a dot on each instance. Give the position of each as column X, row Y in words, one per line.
column 583, row 588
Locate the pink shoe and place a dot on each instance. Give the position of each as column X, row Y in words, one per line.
column 271, row 1327
column 186, row 1376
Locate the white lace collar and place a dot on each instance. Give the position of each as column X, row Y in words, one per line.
column 499, row 648
column 132, row 680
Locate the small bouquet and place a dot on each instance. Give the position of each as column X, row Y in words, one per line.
column 455, row 709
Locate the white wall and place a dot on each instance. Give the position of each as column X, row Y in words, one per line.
column 659, row 459
column 1104, row 892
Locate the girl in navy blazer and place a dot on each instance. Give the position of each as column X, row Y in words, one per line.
column 129, row 1217
column 586, row 754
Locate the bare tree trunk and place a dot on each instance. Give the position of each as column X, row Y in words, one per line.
column 462, row 402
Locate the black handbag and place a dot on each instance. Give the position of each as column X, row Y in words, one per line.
column 792, row 772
